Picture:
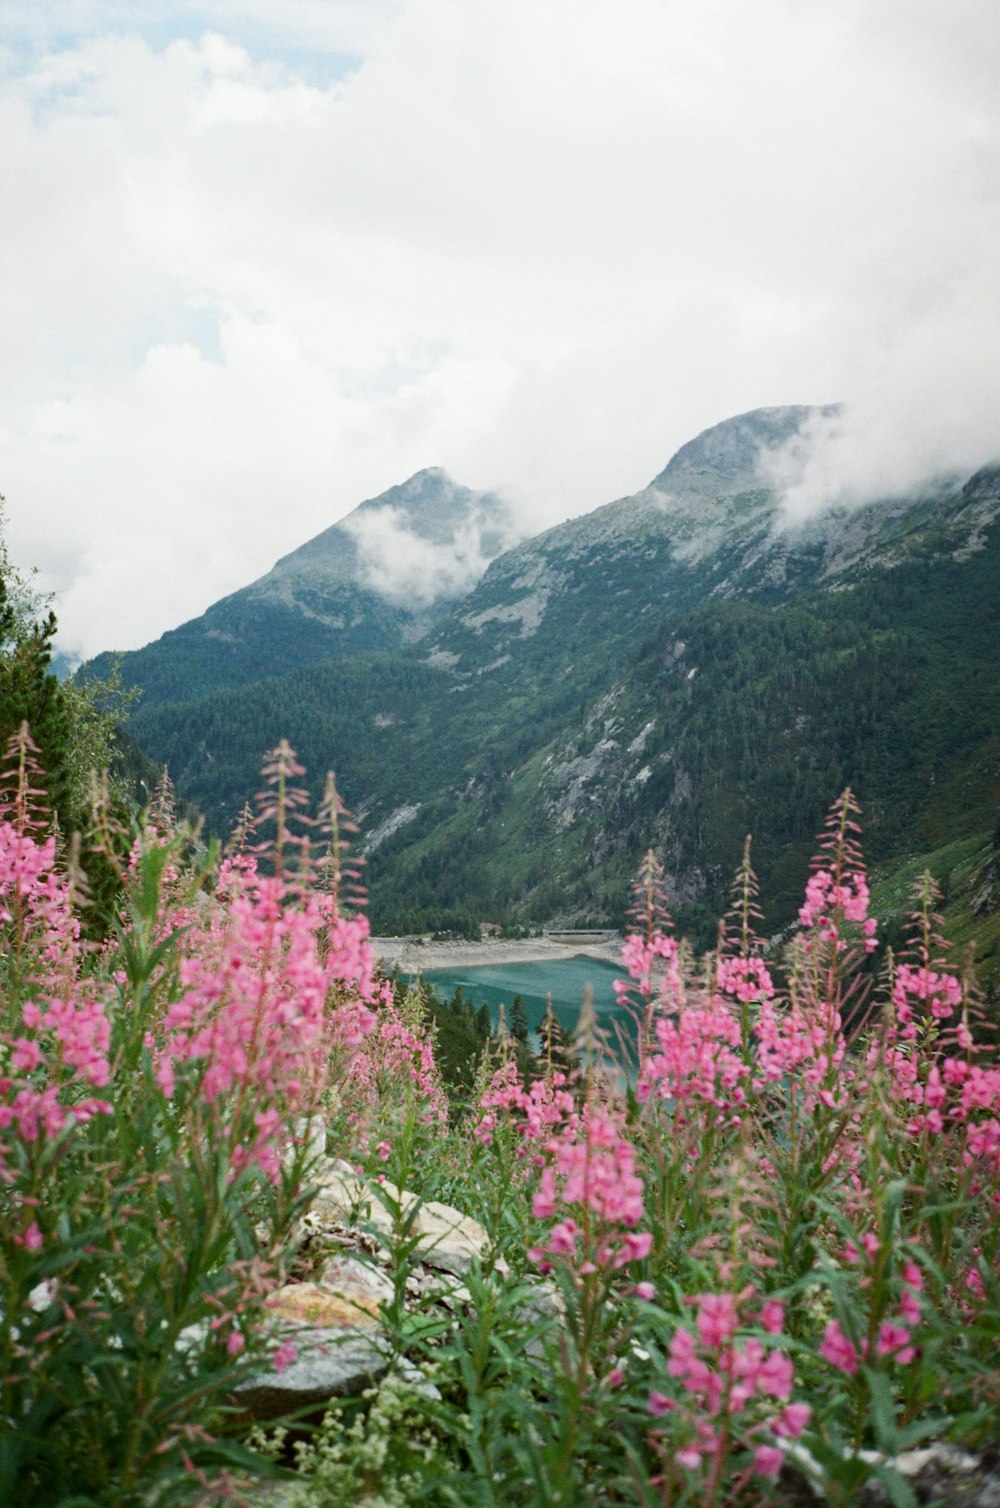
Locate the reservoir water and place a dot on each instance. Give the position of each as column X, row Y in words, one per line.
column 565, row 979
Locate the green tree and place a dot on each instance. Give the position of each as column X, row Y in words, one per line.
column 555, row 1054
column 29, row 692
column 75, row 725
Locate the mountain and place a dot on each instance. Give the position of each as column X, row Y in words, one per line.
column 673, row 670
column 374, row 581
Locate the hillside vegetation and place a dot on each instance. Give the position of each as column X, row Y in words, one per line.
column 672, row 671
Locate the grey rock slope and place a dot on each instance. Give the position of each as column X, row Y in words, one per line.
column 708, row 525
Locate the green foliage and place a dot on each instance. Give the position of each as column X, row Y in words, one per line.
column 647, row 709
column 461, row 1033
column 76, row 725
column 245, row 638
column 29, row 692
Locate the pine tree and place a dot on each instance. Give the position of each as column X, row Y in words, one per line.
column 29, row 692
column 555, row 1054
column 518, row 1019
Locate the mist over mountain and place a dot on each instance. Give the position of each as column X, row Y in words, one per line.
column 375, row 580
column 672, row 670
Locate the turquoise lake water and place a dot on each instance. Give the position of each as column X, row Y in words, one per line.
column 565, row 979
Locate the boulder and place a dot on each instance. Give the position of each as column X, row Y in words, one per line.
column 448, row 1240
column 331, row 1363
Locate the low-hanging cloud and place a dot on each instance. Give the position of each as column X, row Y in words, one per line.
column 410, row 570
column 923, row 400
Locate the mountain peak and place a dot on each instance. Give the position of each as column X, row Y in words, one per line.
column 724, row 459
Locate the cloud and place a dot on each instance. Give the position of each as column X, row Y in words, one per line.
column 540, row 243
column 410, row 570
column 924, row 408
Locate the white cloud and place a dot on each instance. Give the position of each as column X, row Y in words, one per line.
column 262, row 260
column 410, row 570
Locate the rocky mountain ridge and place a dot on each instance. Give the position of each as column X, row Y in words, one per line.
column 672, row 670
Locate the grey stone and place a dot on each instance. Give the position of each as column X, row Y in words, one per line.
column 943, row 1474
column 448, row 1240
column 330, row 1364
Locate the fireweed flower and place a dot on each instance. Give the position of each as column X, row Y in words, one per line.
column 728, row 1389
column 639, row 957
column 697, row 1061
column 266, row 1005
column 838, row 1350
column 590, row 1174
column 745, row 979
column 535, row 1113
column 391, row 1068
column 59, row 1048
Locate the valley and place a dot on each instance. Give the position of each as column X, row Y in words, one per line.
column 672, row 671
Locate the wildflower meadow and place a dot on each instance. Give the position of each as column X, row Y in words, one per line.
column 748, row 1253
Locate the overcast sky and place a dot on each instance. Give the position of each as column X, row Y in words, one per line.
column 262, row 259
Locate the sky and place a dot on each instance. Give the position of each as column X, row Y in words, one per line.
column 263, row 259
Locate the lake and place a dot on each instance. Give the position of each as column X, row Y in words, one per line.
column 565, row 979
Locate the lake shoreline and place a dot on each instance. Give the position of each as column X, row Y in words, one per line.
column 419, row 958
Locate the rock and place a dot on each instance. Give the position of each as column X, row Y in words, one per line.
column 945, row 1475
column 448, row 1240
column 264, row 1493
column 942, row 1474
column 331, row 1363
column 353, row 1305
column 542, row 1308
column 346, row 1274
column 343, row 1197
column 337, row 1335
column 308, row 1144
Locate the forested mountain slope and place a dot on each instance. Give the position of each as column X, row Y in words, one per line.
column 673, row 671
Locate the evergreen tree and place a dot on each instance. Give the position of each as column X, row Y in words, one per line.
column 29, row 692
column 518, row 1019
column 555, row 1054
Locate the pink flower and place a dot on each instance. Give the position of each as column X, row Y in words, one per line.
column 776, row 1375
column 716, row 1318
column 772, row 1316
column 645, row 1291
column 838, row 1350
column 31, row 1240
column 590, row 1173
column 792, row 1420
column 636, row 1245
column 912, row 1276
column 26, row 1054
column 284, row 1355
column 659, row 1404
column 893, row 1340
column 767, row 1461
column 682, row 1352
column 909, row 1307
column 745, row 978
column 234, row 1343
